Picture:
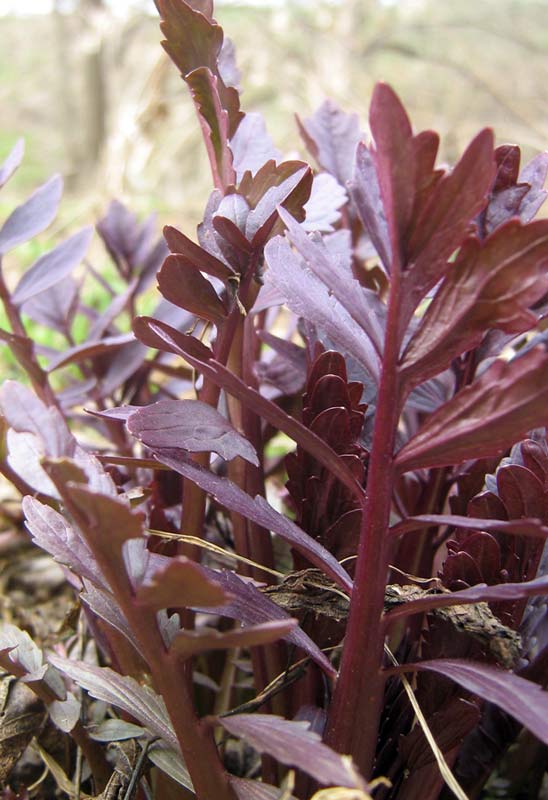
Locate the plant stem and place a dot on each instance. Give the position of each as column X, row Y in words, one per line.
column 169, row 675
column 353, row 720
column 27, row 359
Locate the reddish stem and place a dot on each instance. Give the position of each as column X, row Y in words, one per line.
column 354, row 716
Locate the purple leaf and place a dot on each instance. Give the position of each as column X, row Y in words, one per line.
column 258, row 510
column 115, row 730
column 252, row 146
column 524, row 700
column 190, row 425
column 54, row 534
column 65, row 713
column 534, row 173
column 157, row 334
column 78, row 353
column 366, row 194
column 322, row 209
column 105, row 522
column 310, row 298
column 12, row 162
column 104, row 605
column 150, row 265
column 19, row 653
column 293, row 744
column 261, row 220
column 21, row 657
column 331, row 136
column 519, row 527
column 252, row 607
column 492, row 284
column 129, row 242
column 33, row 216
column 38, row 430
column 171, row 762
column 121, row 413
column 55, row 307
column 190, row 643
column 180, row 583
column 226, row 64
column 323, row 257
column 485, row 418
column 121, row 691
column 475, row 594
column 256, row 790
column 234, row 208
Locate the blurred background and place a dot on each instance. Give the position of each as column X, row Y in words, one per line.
column 88, row 86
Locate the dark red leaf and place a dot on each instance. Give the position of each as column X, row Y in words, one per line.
column 182, row 284
column 200, row 258
column 485, row 418
column 155, row 333
column 492, row 284
column 444, row 221
column 192, row 40
column 395, row 163
column 292, row 193
column 214, row 120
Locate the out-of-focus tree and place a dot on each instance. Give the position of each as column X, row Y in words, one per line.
column 119, row 121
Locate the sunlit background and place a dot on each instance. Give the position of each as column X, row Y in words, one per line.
column 88, row 86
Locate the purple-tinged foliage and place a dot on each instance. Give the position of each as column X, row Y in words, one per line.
column 325, row 508
column 402, row 386
column 190, row 425
column 32, row 217
column 294, row 744
column 12, row 162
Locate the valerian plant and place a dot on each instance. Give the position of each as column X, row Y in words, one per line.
column 368, row 330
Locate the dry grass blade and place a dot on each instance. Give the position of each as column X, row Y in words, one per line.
column 215, row 548
column 59, row 775
column 446, row 773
